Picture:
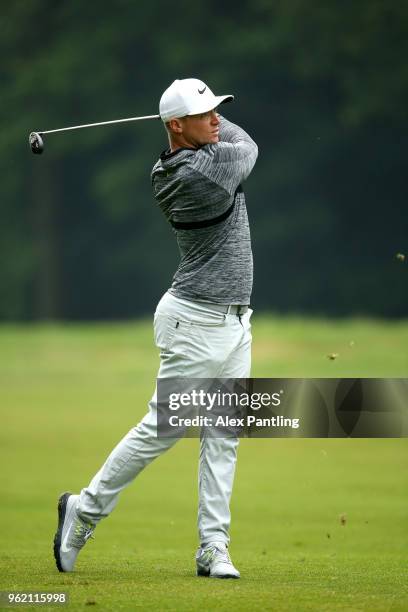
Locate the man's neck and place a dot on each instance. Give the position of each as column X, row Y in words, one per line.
column 179, row 143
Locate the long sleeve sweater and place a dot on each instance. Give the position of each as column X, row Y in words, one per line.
column 200, row 193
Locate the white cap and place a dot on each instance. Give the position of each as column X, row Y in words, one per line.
column 188, row 97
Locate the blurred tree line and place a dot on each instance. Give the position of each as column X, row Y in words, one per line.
column 322, row 87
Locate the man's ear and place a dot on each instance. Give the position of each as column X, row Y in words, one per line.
column 176, row 126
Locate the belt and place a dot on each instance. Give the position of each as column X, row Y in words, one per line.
column 234, row 309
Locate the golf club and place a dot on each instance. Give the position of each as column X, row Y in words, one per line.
column 36, row 140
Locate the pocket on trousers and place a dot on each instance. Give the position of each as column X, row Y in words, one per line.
column 203, row 318
column 212, row 321
column 247, row 321
column 165, row 331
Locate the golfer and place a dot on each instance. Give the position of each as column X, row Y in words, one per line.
column 201, row 324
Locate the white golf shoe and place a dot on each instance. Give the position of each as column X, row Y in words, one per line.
column 214, row 561
column 72, row 533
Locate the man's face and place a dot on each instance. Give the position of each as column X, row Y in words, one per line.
column 199, row 130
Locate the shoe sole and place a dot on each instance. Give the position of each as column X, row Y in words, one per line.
column 206, row 574
column 62, row 510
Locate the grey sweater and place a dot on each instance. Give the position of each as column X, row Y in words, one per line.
column 200, row 193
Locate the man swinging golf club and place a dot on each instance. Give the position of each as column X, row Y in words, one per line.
column 201, row 324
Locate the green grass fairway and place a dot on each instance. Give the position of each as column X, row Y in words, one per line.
column 317, row 524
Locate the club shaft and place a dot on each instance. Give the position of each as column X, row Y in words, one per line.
column 86, row 125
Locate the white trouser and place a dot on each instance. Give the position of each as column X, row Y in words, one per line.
column 195, row 342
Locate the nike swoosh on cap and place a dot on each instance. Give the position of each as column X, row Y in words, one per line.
column 201, row 91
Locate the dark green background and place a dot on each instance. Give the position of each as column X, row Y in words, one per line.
column 322, row 88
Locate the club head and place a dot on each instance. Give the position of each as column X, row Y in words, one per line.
column 36, row 143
